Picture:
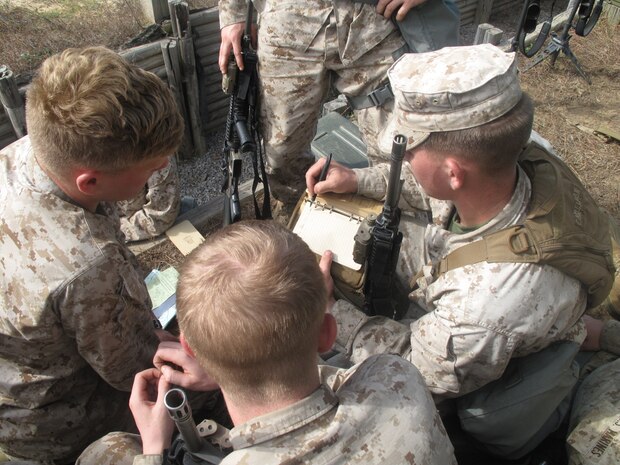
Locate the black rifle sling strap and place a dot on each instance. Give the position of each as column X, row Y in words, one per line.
column 250, row 89
column 527, row 24
column 589, row 14
column 258, row 163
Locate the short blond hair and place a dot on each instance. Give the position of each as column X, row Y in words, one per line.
column 90, row 108
column 494, row 146
column 250, row 303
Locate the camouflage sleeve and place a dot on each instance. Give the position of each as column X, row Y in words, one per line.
column 363, row 336
column 156, row 210
column 456, row 359
column 372, row 182
column 430, row 343
column 232, row 11
column 610, row 337
column 107, row 310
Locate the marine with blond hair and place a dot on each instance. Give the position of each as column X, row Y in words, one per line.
column 75, row 319
column 252, row 307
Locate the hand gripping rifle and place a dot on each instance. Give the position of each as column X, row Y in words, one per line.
column 190, row 447
column 377, row 242
column 242, row 135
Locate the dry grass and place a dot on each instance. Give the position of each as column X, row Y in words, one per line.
column 33, row 30
column 569, row 111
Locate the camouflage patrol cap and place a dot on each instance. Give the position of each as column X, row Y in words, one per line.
column 449, row 89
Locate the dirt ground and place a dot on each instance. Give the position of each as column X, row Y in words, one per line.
column 583, row 121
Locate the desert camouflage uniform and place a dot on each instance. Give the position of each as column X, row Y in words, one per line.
column 75, row 321
column 302, row 48
column 595, row 419
column 155, row 209
column 475, row 320
column 379, row 412
column 478, row 316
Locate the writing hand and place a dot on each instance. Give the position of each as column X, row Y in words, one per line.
column 340, row 179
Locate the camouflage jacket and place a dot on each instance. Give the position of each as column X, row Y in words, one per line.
column 379, row 412
column 75, row 319
column 477, row 317
column 296, row 24
column 155, row 209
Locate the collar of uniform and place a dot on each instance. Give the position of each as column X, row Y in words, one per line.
column 36, row 178
column 280, row 422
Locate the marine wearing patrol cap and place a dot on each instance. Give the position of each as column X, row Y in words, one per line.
column 449, row 89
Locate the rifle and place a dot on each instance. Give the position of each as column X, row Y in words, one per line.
column 378, row 240
column 189, row 447
column 242, row 135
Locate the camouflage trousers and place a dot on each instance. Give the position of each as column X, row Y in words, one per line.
column 595, row 419
column 295, row 83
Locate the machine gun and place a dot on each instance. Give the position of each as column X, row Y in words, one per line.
column 190, row 447
column 378, row 240
column 242, row 134
column 587, row 13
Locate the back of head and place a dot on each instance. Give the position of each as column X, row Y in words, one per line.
column 90, row 108
column 250, row 303
column 462, row 101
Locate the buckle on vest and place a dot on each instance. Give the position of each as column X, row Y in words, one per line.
column 519, row 242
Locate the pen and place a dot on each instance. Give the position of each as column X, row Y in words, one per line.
column 323, row 174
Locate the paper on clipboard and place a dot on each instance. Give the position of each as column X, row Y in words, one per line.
column 327, row 229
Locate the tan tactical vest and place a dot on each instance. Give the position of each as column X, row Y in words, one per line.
column 564, row 228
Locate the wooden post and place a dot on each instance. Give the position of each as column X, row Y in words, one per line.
column 154, row 10
column 12, row 101
column 480, row 32
column 179, row 14
column 483, row 11
column 170, row 53
column 493, row 36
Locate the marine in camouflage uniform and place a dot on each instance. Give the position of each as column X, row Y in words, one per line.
column 75, row 316
column 483, row 325
column 252, row 307
column 155, row 209
column 76, row 323
column 379, row 412
column 303, row 48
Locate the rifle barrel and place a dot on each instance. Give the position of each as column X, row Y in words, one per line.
column 396, row 160
column 180, row 411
